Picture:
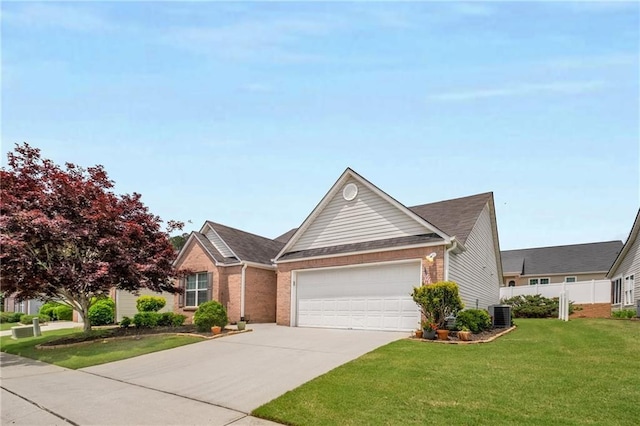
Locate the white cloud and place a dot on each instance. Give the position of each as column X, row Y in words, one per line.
column 561, row 88
column 49, row 15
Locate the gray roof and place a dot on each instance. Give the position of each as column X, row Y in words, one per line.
column 368, row 245
column 576, row 258
column 247, row 246
column 284, row 238
column 456, row 217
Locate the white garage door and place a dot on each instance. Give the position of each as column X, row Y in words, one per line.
column 366, row 297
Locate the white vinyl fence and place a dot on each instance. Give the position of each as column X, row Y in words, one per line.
column 581, row 292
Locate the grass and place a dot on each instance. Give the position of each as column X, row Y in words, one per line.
column 545, row 372
column 7, row 325
column 97, row 352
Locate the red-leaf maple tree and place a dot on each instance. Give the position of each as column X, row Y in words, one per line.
column 66, row 235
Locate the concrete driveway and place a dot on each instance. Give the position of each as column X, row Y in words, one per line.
column 245, row 371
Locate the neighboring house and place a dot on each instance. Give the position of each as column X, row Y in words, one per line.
column 356, row 258
column 551, row 265
column 30, row 307
column 625, row 288
column 231, row 266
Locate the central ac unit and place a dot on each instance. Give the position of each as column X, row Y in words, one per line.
column 500, row 315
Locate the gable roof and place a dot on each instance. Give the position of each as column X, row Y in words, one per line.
column 429, row 228
column 568, row 259
column 286, row 236
column 456, row 217
column 633, row 234
column 247, row 246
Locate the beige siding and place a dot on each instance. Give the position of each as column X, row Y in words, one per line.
column 368, row 217
column 555, row 279
column 126, row 302
column 631, row 265
column 218, row 243
column 476, row 269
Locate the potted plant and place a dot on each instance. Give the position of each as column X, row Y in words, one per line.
column 418, row 333
column 429, row 330
column 216, row 329
column 241, row 324
column 464, row 334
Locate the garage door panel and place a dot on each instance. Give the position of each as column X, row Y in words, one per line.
column 375, row 297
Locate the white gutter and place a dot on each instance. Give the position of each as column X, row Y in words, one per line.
column 242, row 289
column 454, row 245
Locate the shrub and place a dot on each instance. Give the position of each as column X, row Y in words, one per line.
column 169, row 319
column 437, row 301
column 210, row 314
column 624, row 313
column 28, row 319
column 150, row 303
column 146, row 319
column 10, row 316
column 535, row 306
column 48, row 309
column 64, row 313
column 476, row 320
column 125, row 322
column 102, row 312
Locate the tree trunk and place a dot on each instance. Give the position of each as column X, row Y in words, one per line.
column 84, row 305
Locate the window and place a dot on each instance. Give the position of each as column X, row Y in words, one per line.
column 569, row 279
column 536, row 281
column 197, row 291
column 512, row 283
column 616, row 291
column 628, row 290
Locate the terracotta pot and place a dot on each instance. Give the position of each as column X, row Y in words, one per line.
column 443, row 334
column 419, row 334
column 464, row 335
column 216, row 329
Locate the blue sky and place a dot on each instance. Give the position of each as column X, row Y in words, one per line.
column 246, row 113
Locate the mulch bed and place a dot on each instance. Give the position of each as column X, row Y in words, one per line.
column 482, row 337
column 112, row 333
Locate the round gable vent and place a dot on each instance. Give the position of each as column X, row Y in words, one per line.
column 350, row 191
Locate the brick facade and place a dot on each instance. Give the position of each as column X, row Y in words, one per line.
column 283, row 298
column 596, row 310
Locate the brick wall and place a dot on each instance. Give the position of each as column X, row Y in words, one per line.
column 260, row 295
column 596, row 310
column 283, row 297
column 197, row 261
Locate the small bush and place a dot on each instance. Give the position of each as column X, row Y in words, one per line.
column 476, row 320
column 64, row 313
column 125, row 322
column 624, row 313
column 10, row 316
column 210, row 314
column 438, row 301
column 28, row 319
column 49, row 309
column 169, row 319
column 150, row 303
column 146, row 319
column 102, row 312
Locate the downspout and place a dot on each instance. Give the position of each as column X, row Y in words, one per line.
column 454, row 245
column 242, row 289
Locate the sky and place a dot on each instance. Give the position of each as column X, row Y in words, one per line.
column 246, row 113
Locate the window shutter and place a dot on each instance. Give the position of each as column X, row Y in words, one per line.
column 209, row 285
column 182, row 286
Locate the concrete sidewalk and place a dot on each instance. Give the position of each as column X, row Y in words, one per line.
column 36, row 393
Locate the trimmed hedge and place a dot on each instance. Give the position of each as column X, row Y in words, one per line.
column 64, row 313
column 102, row 312
column 476, row 320
column 48, row 309
column 150, row 303
column 624, row 313
column 10, row 316
column 210, row 314
column 146, row 319
column 28, row 319
column 535, row 306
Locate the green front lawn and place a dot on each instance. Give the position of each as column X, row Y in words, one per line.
column 97, row 352
column 545, row 372
column 7, row 325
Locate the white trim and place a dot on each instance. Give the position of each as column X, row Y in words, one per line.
column 626, row 247
column 183, row 251
column 207, row 223
column 348, row 173
column 328, row 256
column 252, row 264
column 575, row 279
column 242, row 290
column 293, row 303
